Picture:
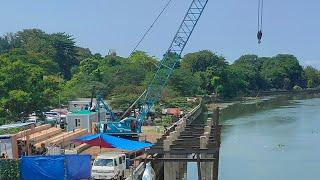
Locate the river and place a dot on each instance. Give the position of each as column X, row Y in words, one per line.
column 275, row 140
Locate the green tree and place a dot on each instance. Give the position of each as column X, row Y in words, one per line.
column 226, row 84
column 202, row 60
column 82, row 53
column 7, row 42
column 65, row 53
column 248, row 69
column 18, row 104
column 4, row 45
column 23, row 87
column 205, row 65
column 183, row 82
column 217, row 84
column 36, row 41
column 312, row 77
column 142, row 59
column 283, row 72
column 59, row 47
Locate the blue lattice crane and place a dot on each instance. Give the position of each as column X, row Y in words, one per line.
column 152, row 95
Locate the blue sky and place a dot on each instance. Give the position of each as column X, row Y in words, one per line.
column 227, row 27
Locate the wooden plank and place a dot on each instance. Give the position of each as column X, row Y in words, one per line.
column 41, row 135
column 71, row 136
column 65, row 137
column 36, row 129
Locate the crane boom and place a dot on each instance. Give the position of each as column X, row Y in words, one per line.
column 170, row 59
column 187, row 26
column 130, row 126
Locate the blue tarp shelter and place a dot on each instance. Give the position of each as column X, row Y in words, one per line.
column 108, row 141
column 60, row 167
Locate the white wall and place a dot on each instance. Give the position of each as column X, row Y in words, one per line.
column 6, row 146
column 71, row 123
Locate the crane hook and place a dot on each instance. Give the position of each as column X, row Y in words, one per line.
column 260, row 19
column 259, row 36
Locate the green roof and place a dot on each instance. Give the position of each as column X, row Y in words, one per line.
column 82, row 112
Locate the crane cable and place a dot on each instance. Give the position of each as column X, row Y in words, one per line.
column 260, row 20
column 137, row 45
column 154, row 22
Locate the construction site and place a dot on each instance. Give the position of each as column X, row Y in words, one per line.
column 68, row 112
column 92, row 124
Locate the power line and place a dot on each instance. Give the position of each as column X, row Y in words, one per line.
column 154, row 22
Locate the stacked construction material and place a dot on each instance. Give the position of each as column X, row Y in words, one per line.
column 63, row 138
column 42, row 135
column 29, row 131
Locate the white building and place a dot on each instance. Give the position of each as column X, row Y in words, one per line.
column 84, row 119
column 6, row 145
column 79, row 105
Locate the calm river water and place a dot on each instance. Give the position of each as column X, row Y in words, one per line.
column 277, row 140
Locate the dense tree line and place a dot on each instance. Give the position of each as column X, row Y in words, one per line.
column 38, row 70
column 32, row 65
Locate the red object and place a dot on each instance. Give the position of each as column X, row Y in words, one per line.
column 61, row 111
column 97, row 142
column 174, row 111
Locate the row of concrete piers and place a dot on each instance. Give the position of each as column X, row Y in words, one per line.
column 189, row 140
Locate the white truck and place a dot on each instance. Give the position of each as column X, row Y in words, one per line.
column 109, row 166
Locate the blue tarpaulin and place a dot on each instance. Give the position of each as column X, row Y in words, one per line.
column 108, row 141
column 60, row 167
column 78, row 166
column 42, row 167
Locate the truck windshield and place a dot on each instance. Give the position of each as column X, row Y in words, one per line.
column 103, row 162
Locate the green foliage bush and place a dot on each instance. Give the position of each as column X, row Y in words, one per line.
column 166, row 121
column 9, row 170
column 10, row 131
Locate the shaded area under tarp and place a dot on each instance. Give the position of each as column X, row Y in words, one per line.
column 58, row 167
column 108, row 141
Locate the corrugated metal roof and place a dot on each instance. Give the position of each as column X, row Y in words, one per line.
column 17, row 125
column 5, row 136
column 82, row 112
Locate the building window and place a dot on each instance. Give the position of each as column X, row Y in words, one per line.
column 77, row 122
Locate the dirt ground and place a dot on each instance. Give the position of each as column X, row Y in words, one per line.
column 151, row 133
column 94, row 151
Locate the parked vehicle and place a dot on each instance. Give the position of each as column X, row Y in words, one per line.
column 52, row 117
column 32, row 119
column 109, row 166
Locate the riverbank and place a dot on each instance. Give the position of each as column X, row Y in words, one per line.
column 246, row 105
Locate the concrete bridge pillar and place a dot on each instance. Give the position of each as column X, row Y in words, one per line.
column 209, row 122
column 167, row 165
column 207, row 135
column 203, row 165
column 207, row 129
column 216, row 116
column 178, row 129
